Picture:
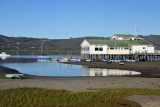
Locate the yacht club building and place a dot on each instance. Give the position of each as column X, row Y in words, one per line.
column 119, row 46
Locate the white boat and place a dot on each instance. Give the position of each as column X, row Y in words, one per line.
column 54, row 59
column 42, row 57
column 64, row 60
column 4, row 54
column 74, row 60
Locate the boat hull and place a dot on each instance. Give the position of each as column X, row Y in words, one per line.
column 44, row 58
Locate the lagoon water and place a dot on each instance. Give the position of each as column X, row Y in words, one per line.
column 51, row 68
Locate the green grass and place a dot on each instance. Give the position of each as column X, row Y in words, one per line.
column 31, row 97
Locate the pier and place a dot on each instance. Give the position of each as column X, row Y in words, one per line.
column 140, row 57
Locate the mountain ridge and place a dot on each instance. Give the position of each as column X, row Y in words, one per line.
column 28, row 43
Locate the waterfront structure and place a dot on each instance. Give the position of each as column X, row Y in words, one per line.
column 119, row 46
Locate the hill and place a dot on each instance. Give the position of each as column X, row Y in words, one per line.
column 24, row 43
column 153, row 39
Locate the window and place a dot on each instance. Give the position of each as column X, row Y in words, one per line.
column 98, row 49
column 98, row 74
column 125, row 48
column 111, row 48
column 144, row 47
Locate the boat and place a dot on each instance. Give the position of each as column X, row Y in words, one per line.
column 88, row 60
column 74, row 60
column 4, row 54
column 54, row 59
column 104, row 60
column 42, row 57
column 64, row 60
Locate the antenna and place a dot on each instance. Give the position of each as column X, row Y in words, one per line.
column 135, row 31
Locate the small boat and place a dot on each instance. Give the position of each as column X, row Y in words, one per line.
column 54, row 59
column 44, row 58
column 64, row 60
column 121, row 63
column 109, row 62
column 104, row 60
column 75, row 60
column 4, row 54
column 116, row 60
column 88, row 60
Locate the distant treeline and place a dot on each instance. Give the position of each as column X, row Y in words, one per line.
column 24, row 43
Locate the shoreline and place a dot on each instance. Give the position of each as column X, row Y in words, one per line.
column 80, row 83
column 146, row 68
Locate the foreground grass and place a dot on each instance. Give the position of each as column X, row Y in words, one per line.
column 31, row 97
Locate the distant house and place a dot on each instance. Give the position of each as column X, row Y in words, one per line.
column 119, row 44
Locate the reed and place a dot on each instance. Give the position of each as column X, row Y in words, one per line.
column 31, row 97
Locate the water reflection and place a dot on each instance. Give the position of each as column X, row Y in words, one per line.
column 86, row 71
column 49, row 68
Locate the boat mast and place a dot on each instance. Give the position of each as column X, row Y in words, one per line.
column 42, row 47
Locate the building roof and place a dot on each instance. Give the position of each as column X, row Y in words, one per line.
column 117, row 43
column 124, row 35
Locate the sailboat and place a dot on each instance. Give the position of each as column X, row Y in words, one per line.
column 42, row 57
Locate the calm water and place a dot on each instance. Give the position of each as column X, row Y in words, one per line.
column 50, row 68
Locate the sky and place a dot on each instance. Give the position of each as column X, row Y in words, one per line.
column 62, row 19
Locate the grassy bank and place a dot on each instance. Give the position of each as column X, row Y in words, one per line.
column 28, row 97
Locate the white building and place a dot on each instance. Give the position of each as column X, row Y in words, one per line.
column 124, row 37
column 117, row 45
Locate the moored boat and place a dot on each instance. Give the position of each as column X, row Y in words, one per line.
column 54, row 59
column 64, row 60
column 44, row 58
column 4, row 54
column 75, row 60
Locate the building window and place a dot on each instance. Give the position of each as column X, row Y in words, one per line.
column 144, row 47
column 125, row 48
column 98, row 49
column 111, row 48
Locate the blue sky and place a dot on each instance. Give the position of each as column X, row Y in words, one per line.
column 58, row 19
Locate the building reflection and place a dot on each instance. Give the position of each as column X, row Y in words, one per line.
column 87, row 71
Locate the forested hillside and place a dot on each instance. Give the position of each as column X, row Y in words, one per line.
column 154, row 39
column 24, row 43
